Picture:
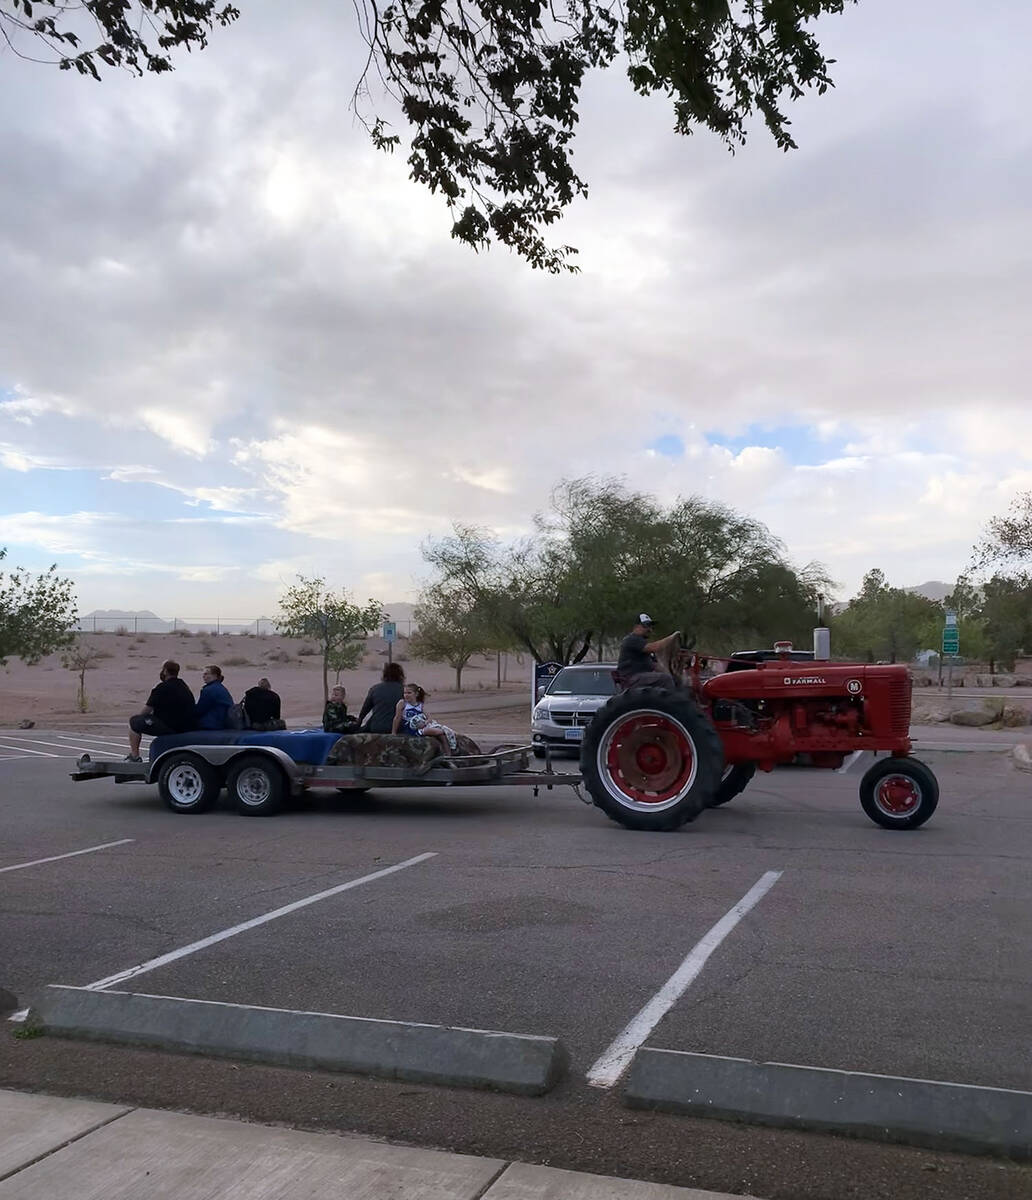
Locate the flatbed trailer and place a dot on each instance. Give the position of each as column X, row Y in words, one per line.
column 260, row 778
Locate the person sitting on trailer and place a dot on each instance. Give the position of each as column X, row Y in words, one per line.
column 213, row 701
column 381, row 700
column 335, row 714
column 636, row 666
column 169, row 709
column 409, row 718
column 262, row 706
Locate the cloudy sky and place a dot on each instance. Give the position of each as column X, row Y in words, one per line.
column 236, row 343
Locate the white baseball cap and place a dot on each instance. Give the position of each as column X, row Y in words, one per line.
column 644, row 619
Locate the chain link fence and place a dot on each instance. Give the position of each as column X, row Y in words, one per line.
column 254, row 626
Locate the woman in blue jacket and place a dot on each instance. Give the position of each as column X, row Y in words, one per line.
column 213, row 701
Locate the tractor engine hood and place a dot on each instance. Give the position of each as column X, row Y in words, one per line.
column 785, row 680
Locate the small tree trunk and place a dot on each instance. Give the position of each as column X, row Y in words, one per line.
column 458, row 679
column 326, row 674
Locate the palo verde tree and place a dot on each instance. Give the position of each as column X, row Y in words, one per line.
column 451, row 628
column 491, row 91
column 337, row 626
column 80, row 657
column 37, row 613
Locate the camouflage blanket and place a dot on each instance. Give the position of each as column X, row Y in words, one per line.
column 392, row 750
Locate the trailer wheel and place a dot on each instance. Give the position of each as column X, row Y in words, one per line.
column 899, row 793
column 257, row 784
column 650, row 759
column 188, row 784
column 732, row 783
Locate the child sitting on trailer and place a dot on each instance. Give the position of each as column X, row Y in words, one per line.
column 410, row 718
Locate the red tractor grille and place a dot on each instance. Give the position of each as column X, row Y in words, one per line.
column 899, row 706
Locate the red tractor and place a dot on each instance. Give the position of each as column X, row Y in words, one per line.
column 654, row 758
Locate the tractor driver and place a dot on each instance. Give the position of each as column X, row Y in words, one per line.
column 636, row 666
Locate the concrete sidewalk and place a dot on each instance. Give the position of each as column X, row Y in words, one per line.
column 52, row 1147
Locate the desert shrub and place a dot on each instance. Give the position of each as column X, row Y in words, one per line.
column 401, row 657
column 182, row 632
column 141, row 640
column 307, row 652
column 207, row 647
column 122, row 631
column 280, row 656
column 237, row 661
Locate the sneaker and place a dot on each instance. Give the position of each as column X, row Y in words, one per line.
column 133, row 758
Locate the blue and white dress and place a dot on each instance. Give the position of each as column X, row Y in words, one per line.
column 414, row 721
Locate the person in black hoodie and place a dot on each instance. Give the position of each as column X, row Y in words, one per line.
column 381, row 701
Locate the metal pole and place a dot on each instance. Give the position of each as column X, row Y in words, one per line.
column 498, row 666
column 949, row 685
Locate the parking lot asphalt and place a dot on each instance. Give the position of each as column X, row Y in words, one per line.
column 896, row 953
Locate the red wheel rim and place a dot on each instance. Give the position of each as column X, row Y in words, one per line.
column 897, row 795
column 647, row 760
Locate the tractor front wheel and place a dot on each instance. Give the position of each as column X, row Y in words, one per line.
column 651, row 760
column 899, row 793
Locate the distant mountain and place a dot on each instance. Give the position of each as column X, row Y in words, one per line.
column 935, row 590
column 120, row 614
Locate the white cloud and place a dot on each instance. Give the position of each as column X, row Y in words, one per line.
column 215, row 288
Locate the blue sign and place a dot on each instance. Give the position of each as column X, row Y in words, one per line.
column 390, row 631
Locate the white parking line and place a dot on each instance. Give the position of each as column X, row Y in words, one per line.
column 56, row 745
column 616, row 1059
column 72, row 854
column 23, row 751
column 89, row 740
column 851, row 762
column 172, row 955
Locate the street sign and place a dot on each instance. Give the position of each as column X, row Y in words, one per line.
column 390, row 631
column 950, row 640
column 541, row 676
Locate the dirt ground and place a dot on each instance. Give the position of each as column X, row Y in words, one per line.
column 119, row 683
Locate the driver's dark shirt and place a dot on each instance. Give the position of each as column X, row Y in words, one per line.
column 173, row 704
column 634, row 658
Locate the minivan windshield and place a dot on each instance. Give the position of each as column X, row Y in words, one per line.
column 595, row 681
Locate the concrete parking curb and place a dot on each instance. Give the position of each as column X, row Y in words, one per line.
column 477, row 1058
column 919, row 1112
column 1022, row 757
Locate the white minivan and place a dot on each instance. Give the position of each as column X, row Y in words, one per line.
column 572, row 698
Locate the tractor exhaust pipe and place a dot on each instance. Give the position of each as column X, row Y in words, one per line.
column 821, row 635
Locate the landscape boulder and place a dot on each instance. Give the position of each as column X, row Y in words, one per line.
column 1014, row 716
column 974, row 718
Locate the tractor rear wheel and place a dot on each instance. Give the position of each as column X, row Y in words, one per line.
column 733, row 782
column 650, row 759
column 899, row 793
